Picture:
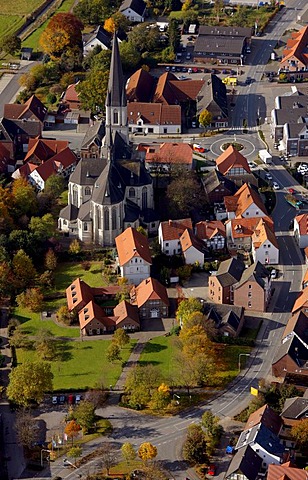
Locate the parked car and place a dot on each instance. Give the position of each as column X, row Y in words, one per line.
column 194, row 124
column 198, row 148
column 211, row 470
column 78, row 399
column 291, row 190
column 62, row 399
column 71, row 399
column 276, row 186
column 190, row 70
column 269, row 176
column 273, row 273
column 188, row 56
column 55, row 400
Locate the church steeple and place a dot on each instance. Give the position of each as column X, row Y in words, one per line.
column 116, row 102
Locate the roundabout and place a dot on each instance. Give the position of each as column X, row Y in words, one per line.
column 248, row 147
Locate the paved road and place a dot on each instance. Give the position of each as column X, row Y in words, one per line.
column 11, row 88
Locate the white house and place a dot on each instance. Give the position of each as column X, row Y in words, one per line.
column 153, row 118
column 245, row 203
column 264, row 246
column 169, row 234
column 134, row 10
column 134, row 258
column 100, row 37
column 192, row 247
column 213, row 233
column 301, row 230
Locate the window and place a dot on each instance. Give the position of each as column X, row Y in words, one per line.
column 249, row 286
column 249, row 304
column 144, row 198
column 249, row 294
column 131, row 192
column 116, row 117
column 106, row 219
column 85, row 227
column 87, row 191
column 167, row 244
column 114, row 219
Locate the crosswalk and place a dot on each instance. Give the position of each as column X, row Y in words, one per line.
column 240, row 129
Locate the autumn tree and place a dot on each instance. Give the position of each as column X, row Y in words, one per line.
column 75, row 452
column 44, row 227
column 32, row 298
column 72, row 430
column 85, row 415
column 10, row 44
column 140, row 383
column 210, row 426
column 19, row 339
column 92, row 91
column 160, row 398
column 205, row 118
column 128, row 452
column 6, row 279
column 65, row 316
column 194, row 448
column 75, row 247
column 121, row 337
column 186, row 308
column 50, row 260
column 147, row 452
column 23, row 270
column 113, row 352
column 184, row 193
column 24, row 198
column 29, row 381
column 26, row 428
column 300, row 432
column 97, row 59
column 63, row 31
column 116, row 22
column 45, row 344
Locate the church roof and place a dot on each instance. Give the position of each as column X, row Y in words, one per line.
column 116, row 91
column 87, row 171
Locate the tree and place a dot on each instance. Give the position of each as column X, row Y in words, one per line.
column 23, row 270
column 75, row 247
column 205, row 118
column 128, row 452
column 62, row 32
column 45, row 344
column 130, row 56
column 50, row 260
column 160, row 398
column 19, row 339
column 11, row 44
column 85, row 415
column 54, row 185
column 6, row 279
column 140, row 383
column 29, row 381
column 120, row 337
column 107, row 456
column 92, row 91
column 194, row 448
column 43, row 228
column 210, row 425
column 147, row 452
column 113, row 352
column 72, row 430
column 186, row 308
column 32, row 299
column 174, row 34
column 25, row 202
column 183, row 193
column 97, row 59
column 300, row 432
column 144, row 38
column 65, row 316
column 93, row 12
column 116, row 22
column 26, row 429
column 75, row 452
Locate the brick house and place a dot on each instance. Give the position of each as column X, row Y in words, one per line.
column 151, row 298
column 294, row 410
column 92, row 141
column 228, row 320
column 213, row 98
column 126, row 316
column 246, row 202
column 93, row 320
column 286, row 471
column 253, row 290
column 155, row 118
column 221, row 282
column 212, row 232
column 79, row 293
column 267, row 417
column 301, row 303
column 15, row 135
column 134, row 257
column 217, row 186
column 32, row 109
column 169, row 234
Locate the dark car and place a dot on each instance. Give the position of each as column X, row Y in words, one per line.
column 248, row 81
column 62, row 399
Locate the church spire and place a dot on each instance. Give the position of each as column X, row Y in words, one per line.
column 116, row 96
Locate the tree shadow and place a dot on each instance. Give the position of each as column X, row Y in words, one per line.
column 63, row 351
column 154, row 348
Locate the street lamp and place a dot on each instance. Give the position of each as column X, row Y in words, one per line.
column 239, row 359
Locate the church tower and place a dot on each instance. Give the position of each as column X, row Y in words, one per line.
column 116, row 102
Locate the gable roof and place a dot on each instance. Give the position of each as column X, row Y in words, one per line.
column 302, row 221
column 188, row 240
column 296, row 350
column 140, row 86
column 263, row 233
column 245, row 227
column 230, row 272
column 286, row 471
column 267, row 416
column 296, row 47
column 297, row 324
column 125, row 310
column 246, row 196
column 170, row 90
column 149, row 289
column 173, row 229
column 138, row 6
column 246, row 461
column 295, row 407
column 71, row 94
column 301, row 301
column 170, row 153
column 55, row 165
column 214, row 179
column 78, row 292
column 208, row 229
column 231, row 158
column 154, row 113
column 263, row 436
column 93, row 311
column 44, row 149
column 130, row 244
column 255, row 273
column 100, row 34
column 32, row 105
column 224, row 315
column 213, row 91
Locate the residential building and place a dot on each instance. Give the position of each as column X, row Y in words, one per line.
column 193, row 248
column 134, row 257
column 234, row 166
column 228, row 320
column 265, row 247
column 301, row 303
column 140, row 87
column 5, row 159
column 164, row 157
column 79, row 293
column 305, row 280
column 169, row 234
column 127, row 316
column 134, row 10
column 301, row 230
column 221, row 282
column 98, row 38
column 109, row 194
column 266, row 416
column 151, row 298
column 94, row 321
column 286, row 471
column 245, row 465
column 295, row 57
column 245, row 203
column 217, row 186
column 253, row 290
column 212, row 232
column 155, row 118
column 32, row 109
column 225, row 45
column 294, row 410
column 213, row 98
column 239, row 232
column 15, row 135
column 71, row 98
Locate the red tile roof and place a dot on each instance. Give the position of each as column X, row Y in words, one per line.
column 242, row 199
column 296, row 47
column 302, row 221
column 154, row 113
column 130, row 244
column 245, row 227
column 70, row 94
column 33, row 105
column 170, row 90
column 150, row 289
column 286, row 471
column 301, row 301
column 140, row 87
column 43, row 149
column 78, row 292
column 173, row 229
column 175, row 153
column 208, row 229
column 263, row 233
column 125, row 310
column 231, row 158
column 93, row 311
column 188, row 240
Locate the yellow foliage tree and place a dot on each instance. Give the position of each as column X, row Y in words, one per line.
column 163, row 388
column 147, row 451
column 109, row 25
column 186, row 5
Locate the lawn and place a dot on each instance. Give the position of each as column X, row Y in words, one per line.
column 81, row 364
column 21, row 7
column 66, row 273
column 32, row 322
column 230, row 355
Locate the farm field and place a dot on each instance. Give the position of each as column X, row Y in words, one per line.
column 13, row 14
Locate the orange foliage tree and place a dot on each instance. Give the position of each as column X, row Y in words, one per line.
column 72, row 429
column 62, row 32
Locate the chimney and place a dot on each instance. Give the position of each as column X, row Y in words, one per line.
column 170, row 222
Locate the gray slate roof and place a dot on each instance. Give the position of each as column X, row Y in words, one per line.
column 137, row 6
column 295, row 349
column 100, row 34
column 224, row 31
column 230, row 271
column 116, row 95
column 214, row 179
column 95, row 133
column 87, row 171
column 215, row 91
column 261, row 435
column 295, row 407
column 224, row 314
column 256, row 272
column 70, row 212
column 246, row 461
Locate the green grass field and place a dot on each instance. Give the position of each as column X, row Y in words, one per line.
column 9, row 24
column 32, row 322
column 19, row 7
column 66, row 273
column 81, row 364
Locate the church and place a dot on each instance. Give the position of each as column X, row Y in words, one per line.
column 108, row 194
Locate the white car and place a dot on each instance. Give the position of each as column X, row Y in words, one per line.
column 276, row 186
column 269, row 176
column 273, row 273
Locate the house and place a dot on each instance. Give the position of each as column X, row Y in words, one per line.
column 193, row 248
column 212, row 232
column 267, row 417
column 286, row 471
column 93, row 320
column 295, row 57
column 246, row 202
column 213, row 98
column 92, row 142
column 234, row 166
column 169, row 234
column 71, row 100
column 221, row 44
column 32, row 109
column 239, row 232
column 134, row 257
column 15, row 135
column 151, row 298
column 221, row 282
column 126, row 316
column 164, row 157
column 253, row 290
column 228, row 320
column 294, row 410
column 216, row 187
column 6, row 161
column 305, row 280
column 306, row 255
column 134, row 10
column 115, row 191
column 155, row 118
column 301, row 230
column 265, row 247
column 140, row 87
column 301, row 303
column 79, row 293
column 245, row 465
column 296, row 326
column 98, row 38
column 291, row 361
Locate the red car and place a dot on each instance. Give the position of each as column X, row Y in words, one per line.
column 291, row 190
column 211, row 470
